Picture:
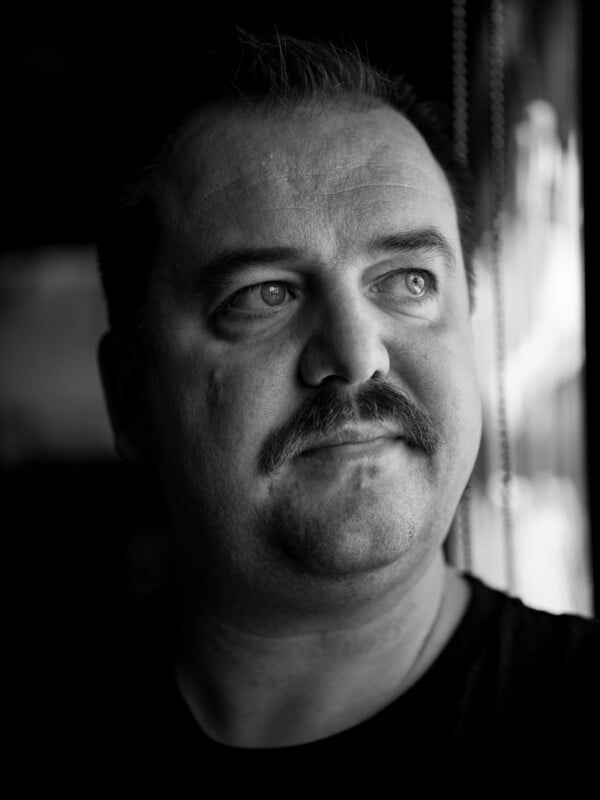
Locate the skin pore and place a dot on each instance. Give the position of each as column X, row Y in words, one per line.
column 307, row 252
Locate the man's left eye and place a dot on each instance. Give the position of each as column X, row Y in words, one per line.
column 411, row 284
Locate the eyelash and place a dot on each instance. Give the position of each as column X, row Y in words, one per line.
column 227, row 308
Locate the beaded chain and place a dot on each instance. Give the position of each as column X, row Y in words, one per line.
column 497, row 189
column 460, row 120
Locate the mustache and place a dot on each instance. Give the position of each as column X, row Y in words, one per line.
column 328, row 410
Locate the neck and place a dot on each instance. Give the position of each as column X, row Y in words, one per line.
column 249, row 689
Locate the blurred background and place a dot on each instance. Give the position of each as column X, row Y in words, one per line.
column 85, row 534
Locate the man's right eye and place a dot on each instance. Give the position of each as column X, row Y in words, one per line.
column 259, row 300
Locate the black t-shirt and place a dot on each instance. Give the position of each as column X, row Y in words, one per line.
column 511, row 705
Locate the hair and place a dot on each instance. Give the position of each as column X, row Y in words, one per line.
column 279, row 72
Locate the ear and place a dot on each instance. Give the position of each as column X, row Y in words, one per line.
column 121, row 374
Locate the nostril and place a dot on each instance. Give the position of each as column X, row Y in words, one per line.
column 351, row 360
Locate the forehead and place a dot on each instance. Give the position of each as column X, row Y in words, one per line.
column 242, row 175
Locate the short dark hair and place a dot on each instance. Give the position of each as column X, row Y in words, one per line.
column 275, row 72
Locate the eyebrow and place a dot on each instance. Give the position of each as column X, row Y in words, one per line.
column 428, row 240
column 226, row 266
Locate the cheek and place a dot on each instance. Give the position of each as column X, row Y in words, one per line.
column 440, row 369
column 239, row 399
column 229, row 397
column 459, row 403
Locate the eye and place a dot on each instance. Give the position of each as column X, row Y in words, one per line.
column 414, row 284
column 261, row 297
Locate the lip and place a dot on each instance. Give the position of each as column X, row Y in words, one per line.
column 352, row 441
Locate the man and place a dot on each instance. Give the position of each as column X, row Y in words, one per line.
column 289, row 287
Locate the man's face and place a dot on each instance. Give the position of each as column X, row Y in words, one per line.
column 308, row 257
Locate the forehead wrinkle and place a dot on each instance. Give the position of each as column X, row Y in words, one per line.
column 420, row 189
column 281, row 193
column 305, row 180
column 344, row 201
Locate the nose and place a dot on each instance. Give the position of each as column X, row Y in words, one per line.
column 346, row 346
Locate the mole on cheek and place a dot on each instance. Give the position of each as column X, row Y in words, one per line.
column 228, row 390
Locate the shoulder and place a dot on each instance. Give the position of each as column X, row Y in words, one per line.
column 539, row 669
column 532, row 633
column 530, row 686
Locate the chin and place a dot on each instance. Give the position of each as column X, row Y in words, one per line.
column 345, row 546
